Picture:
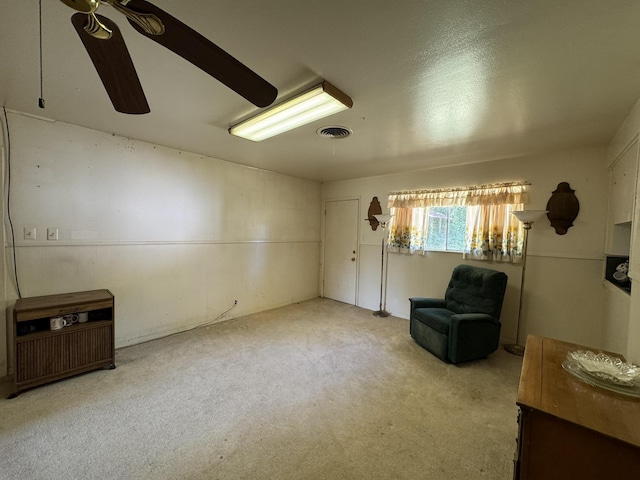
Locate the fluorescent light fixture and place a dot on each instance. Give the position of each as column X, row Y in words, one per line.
column 319, row 102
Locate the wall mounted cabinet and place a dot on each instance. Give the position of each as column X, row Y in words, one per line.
column 623, row 185
column 622, row 191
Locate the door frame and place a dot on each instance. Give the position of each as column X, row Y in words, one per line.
column 323, row 232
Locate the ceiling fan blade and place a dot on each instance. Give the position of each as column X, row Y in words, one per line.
column 190, row 45
column 114, row 66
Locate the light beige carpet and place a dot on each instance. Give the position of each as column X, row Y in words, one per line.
column 316, row 390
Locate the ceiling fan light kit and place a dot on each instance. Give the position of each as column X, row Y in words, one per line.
column 318, row 102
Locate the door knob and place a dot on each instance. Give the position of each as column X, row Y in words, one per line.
column 353, row 259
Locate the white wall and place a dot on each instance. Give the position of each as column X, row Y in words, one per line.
column 177, row 237
column 624, row 311
column 4, row 325
column 564, row 290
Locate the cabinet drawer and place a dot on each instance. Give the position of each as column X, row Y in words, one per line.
column 47, row 312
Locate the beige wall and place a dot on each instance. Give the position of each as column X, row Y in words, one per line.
column 177, row 237
column 4, row 325
column 624, row 311
column 564, row 290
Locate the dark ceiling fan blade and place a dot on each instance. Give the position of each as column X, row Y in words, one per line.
column 114, row 66
column 190, row 45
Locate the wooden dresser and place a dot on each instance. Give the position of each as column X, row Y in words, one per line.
column 569, row 429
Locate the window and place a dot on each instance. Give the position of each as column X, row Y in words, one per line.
column 476, row 221
column 446, row 228
column 432, row 228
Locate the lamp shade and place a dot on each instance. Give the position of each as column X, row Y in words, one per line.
column 383, row 218
column 528, row 216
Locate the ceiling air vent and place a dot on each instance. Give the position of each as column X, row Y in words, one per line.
column 333, row 132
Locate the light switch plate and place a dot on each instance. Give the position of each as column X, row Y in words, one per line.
column 52, row 234
column 29, row 233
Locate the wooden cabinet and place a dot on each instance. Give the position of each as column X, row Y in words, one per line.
column 622, row 192
column 42, row 355
column 623, row 185
column 569, row 429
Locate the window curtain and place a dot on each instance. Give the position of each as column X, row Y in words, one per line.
column 408, row 231
column 492, row 233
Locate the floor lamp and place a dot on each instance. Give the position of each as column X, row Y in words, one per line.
column 527, row 217
column 383, row 219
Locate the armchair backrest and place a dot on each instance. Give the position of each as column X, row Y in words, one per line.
column 476, row 290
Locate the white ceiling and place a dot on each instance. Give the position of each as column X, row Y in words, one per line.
column 433, row 82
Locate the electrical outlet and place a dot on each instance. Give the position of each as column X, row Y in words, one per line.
column 29, row 233
column 52, row 234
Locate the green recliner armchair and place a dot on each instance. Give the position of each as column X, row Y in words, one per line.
column 465, row 325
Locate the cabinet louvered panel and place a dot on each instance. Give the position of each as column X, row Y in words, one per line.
column 91, row 346
column 42, row 357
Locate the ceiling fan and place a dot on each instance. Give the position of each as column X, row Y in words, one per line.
column 106, row 48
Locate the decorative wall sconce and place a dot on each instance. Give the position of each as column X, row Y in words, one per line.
column 374, row 209
column 563, row 208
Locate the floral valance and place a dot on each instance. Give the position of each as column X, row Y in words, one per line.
column 494, row 194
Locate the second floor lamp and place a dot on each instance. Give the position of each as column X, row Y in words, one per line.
column 527, row 217
column 383, row 219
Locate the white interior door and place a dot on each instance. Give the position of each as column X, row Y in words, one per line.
column 341, row 250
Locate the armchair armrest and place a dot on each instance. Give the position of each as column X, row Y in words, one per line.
column 472, row 335
column 462, row 318
column 420, row 302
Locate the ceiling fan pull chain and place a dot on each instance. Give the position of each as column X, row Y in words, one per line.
column 147, row 21
column 41, row 98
